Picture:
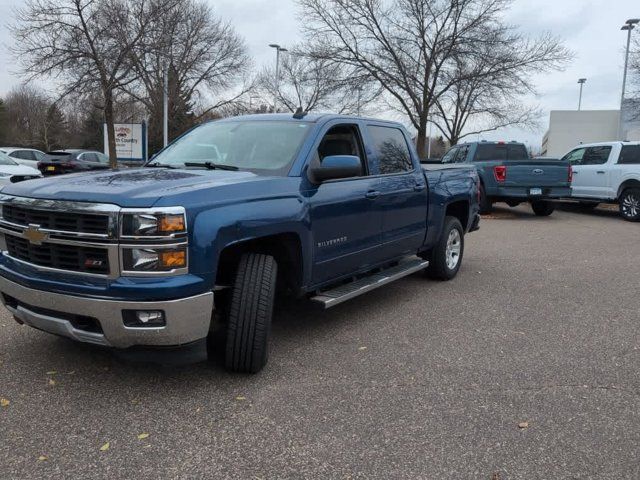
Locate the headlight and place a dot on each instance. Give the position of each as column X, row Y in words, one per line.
column 154, row 259
column 153, row 224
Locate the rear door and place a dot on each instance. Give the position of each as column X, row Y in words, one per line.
column 403, row 191
column 591, row 177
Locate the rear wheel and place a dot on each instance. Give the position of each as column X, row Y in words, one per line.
column 486, row 205
column 630, row 204
column 542, row 208
column 446, row 256
column 250, row 313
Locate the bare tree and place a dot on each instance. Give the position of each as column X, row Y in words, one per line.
column 408, row 46
column 206, row 60
column 492, row 81
column 33, row 120
column 84, row 45
column 315, row 83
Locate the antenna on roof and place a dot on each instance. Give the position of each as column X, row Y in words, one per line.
column 300, row 114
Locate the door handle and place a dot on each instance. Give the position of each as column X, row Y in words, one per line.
column 372, row 194
column 418, row 187
column 600, row 172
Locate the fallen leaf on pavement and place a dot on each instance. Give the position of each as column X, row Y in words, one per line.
column 42, row 458
column 105, row 447
column 52, row 381
column 241, row 397
column 52, row 372
column 362, row 348
column 4, row 402
column 523, row 425
column 142, row 436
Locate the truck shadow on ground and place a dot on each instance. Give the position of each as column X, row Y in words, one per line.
column 296, row 322
column 502, row 211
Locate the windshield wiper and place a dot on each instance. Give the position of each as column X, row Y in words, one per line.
column 211, row 166
column 160, row 165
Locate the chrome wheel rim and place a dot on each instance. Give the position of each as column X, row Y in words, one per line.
column 454, row 248
column 631, row 205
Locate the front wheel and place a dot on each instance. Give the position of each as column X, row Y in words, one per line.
column 446, row 256
column 542, row 208
column 630, row 204
column 250, row 313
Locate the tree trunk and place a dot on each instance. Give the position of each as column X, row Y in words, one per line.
column 421, row 139
column 111, row 131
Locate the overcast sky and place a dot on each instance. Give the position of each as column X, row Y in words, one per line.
column 591, row 28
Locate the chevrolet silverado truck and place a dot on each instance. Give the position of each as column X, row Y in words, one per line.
column 607, row 172
column 508, row 174
column 196, row 244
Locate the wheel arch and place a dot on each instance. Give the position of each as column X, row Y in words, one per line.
column 631, row 183
column 285, row 247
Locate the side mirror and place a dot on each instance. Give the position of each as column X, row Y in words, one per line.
column 334, row 167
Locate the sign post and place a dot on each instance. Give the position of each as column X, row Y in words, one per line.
column 131, row 141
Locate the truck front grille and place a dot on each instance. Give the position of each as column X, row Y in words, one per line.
column 62, row 257
column 55, row 220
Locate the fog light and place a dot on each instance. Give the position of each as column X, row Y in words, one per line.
column 144, row 318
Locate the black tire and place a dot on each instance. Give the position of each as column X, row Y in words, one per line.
column 629, row 203
column 542, row 208
column 250, row 313
column 438, row 268
column 486, row 205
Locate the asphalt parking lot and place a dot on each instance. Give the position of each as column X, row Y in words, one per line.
column 525, row 366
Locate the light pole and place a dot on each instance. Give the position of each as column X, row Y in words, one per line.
column 581, row 81
column 628, row 26
column 275, row 96
column 165, row 102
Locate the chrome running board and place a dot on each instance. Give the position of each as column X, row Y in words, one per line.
column 337, row 295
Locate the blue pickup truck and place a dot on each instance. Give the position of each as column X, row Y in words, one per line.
column 197, row 244
column 508, row 174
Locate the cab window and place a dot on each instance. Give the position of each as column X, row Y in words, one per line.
column 343, row 139
column 630, row 155
column 391, row 149
column 461, row 156
column 450, row 156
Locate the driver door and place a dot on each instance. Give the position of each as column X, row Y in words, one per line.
column 346, row 221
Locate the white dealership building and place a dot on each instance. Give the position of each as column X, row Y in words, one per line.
column 568, row 128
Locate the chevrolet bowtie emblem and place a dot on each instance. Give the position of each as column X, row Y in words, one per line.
column 34, row 235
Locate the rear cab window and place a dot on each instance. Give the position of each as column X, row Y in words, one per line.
column 501, row 151
column 391, row 150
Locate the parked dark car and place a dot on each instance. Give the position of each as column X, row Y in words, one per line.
column 70, row 161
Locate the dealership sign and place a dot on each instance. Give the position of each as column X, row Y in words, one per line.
column 130, row 141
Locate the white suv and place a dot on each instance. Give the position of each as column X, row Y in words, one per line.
column 607, row 172
column 25, row 156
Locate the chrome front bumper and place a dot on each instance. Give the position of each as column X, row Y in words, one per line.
column 187, row 319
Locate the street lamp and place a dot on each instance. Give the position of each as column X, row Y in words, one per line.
column 628, row 26
column 275, row 96
column 581, row 81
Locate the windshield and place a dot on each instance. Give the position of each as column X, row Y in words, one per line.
column 6, row 159
column 264, row 147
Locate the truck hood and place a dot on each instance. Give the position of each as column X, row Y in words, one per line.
column 140, row 187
